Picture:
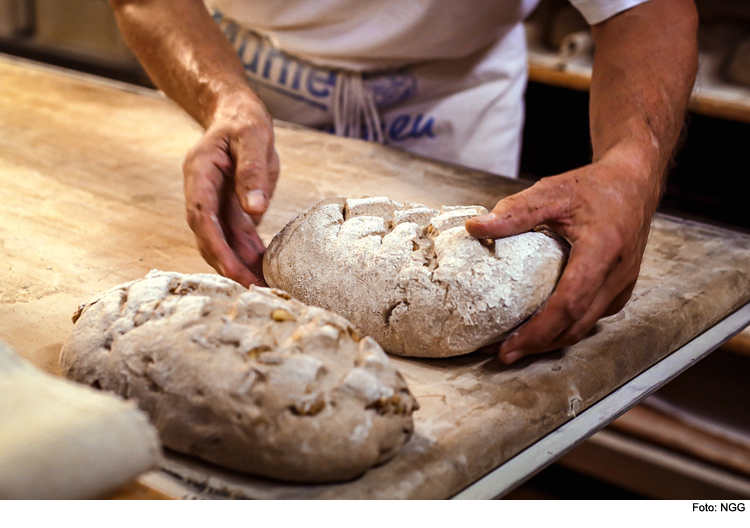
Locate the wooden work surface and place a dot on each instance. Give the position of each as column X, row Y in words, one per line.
column 91, row 196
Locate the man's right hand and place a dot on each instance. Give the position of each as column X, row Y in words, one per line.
column 230, row 175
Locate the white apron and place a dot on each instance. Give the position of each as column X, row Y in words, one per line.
column 440, row 78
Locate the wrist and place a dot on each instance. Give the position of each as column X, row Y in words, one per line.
column 641, row 161
column 237, row 103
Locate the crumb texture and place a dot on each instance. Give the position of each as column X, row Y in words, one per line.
column 248, row 379
column 412, row 277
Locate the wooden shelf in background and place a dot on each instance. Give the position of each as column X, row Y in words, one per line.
column 665, row 431
column 540, row 73
column 739, row 344
column 653, row 471
column 711, row 96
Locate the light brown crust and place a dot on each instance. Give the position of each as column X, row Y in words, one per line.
column 248, row 379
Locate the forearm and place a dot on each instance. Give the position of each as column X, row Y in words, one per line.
column 184, row 53
column 187, row 56
column 644, row 69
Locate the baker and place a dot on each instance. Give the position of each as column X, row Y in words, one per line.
column 436, row 77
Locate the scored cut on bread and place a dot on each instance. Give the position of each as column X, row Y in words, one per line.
column 412, row 277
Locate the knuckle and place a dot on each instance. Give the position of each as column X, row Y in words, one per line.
column 193, row 218
column 575, row 308
column 574, row 334
column 617, row 241
column 503, row 205
column 609, row 242
column 553, row 186
column 250, row 170
column 263, row 133
column 547, row 183
column 577, row 333
column 512, row 207
column 255, row 130
column 616, row 307
column 228, row 269
column 544, row 183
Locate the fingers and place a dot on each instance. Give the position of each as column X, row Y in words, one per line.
column 229, row 177
column 204, row 179
column 216, row 251
column 256, row 168
column 571, row 305
column 599, row 308
column 242, row 236
column 606, row 219
column 619, row 302
column 519, row 212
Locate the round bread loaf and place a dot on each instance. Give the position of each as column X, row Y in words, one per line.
column 412, row 277
column 248, row 379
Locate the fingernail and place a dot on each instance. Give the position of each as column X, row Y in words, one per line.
column 510, row 357
column 256, row 199
column 484, row 218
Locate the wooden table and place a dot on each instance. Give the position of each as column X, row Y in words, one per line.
column 91, row 196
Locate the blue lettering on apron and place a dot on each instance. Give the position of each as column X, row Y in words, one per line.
column 319, row 83
column 272, row 69
column 397, row 131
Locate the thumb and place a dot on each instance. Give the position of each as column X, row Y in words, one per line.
column 251, row 186
column 515, row 214
column 256, row 170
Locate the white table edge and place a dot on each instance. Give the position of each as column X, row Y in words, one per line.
column 544, row 452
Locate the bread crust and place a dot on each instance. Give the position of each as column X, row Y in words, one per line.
column 412, row 277
column 248, row 379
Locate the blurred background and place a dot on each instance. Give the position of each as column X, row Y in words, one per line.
column 691, row 440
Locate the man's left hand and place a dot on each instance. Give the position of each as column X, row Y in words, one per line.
column 604, row 210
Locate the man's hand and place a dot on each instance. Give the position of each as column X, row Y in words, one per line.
column 230, row 175
column 232, row 171
column 644, row 67
column 604, row 210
